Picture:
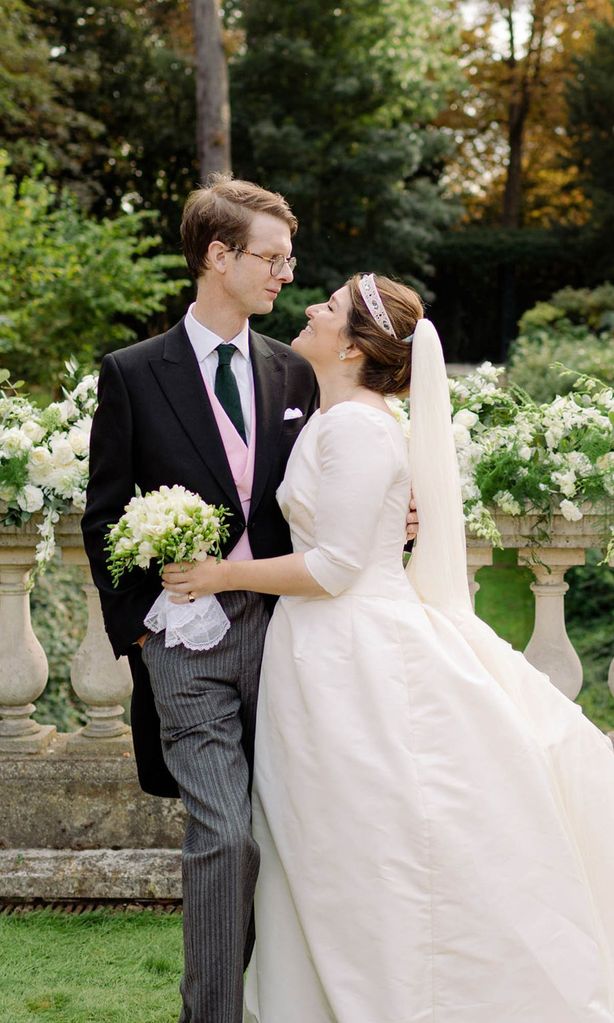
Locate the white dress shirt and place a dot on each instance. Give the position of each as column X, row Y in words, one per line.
column 205, row 342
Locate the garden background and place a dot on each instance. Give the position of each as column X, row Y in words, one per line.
column 464, row 147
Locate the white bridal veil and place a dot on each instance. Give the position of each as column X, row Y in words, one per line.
column 438, row 567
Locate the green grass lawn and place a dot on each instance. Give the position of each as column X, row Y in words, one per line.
column 101, row 966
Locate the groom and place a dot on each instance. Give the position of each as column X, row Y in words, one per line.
column 216, row 407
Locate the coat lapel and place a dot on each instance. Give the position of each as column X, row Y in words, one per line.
column 269, row 371
column 179, row 376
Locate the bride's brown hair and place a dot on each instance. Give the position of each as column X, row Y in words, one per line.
column 387, row 365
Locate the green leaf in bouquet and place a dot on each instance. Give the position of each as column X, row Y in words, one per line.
column 14, row 471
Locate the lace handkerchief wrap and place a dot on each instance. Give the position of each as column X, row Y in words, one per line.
column 198, row 626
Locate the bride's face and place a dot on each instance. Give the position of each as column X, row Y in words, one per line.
column 321, row 341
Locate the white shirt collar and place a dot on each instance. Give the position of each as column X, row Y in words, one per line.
column 205, row 341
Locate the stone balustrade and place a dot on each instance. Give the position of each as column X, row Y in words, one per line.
column 549, row 648
column 104, row 684
column 75, row 823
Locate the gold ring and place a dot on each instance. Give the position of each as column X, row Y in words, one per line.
column 191, row 597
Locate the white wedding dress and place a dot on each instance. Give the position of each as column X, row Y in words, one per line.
column 436, row 820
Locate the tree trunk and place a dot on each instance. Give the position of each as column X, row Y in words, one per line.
column 512, row 198
column 212, row 102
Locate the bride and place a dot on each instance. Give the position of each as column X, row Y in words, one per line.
column 435, row 819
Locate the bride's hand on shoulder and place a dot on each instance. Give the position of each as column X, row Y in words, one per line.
column 194, row 579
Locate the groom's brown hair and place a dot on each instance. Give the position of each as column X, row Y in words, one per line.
column 222, row 211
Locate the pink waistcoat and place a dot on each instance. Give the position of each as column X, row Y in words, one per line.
column 241, row 461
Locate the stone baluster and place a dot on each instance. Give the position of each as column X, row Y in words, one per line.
column 102, row 682
column 23, row 664
column 477, row 558
column 550, row 649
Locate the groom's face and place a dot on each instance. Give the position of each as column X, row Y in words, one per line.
column 248, row 279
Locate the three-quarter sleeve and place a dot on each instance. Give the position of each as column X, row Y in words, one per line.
column 357, row 464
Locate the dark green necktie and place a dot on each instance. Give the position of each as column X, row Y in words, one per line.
column 226, row 389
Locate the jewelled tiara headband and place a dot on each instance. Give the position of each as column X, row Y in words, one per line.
column 373, row 302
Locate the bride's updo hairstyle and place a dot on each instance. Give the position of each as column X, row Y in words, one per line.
column 387, row 364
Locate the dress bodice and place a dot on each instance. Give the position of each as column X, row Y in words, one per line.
column 345, row 497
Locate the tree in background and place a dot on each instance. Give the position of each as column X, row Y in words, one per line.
column 136, row 78
column 512, row 164
column 332, row 106
column 39, row 121
column 212, row 100
column 590, row 98
column 71, row 285
column 524, row 233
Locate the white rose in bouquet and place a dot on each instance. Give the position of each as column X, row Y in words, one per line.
column 62, row 454
column 14, row 441
column 31, row 498
column 39, row 465
column 466, row 418
column 33, row 430
column 79, row 441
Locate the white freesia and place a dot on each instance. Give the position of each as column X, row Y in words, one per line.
column 508, row 504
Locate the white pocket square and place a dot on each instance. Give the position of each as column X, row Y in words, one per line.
column 293, row 413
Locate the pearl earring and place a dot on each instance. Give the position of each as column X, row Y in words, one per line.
column 342, row 356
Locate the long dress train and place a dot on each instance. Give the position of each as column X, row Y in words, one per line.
column 436, row 820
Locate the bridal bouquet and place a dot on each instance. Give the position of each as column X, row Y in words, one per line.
column 172, row 525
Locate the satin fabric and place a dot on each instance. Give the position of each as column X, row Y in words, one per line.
column 435, row 819
column 241, row 458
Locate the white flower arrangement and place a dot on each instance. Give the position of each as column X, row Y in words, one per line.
column 44, row 463
column 518, row 457
column 515, row 456
column 165, row 526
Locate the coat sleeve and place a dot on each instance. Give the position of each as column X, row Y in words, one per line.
column 111, row 486
column 357, row 467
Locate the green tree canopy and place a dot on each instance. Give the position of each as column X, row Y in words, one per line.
column 590, row 98
column 38, row 118
column 134, row 73
column 71, row 286
column 332, row 106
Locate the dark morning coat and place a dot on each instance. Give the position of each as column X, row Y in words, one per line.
column 154, row 425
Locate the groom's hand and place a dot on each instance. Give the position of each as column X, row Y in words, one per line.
column 412, row 524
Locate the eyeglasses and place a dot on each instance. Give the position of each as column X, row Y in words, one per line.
column 276, row 263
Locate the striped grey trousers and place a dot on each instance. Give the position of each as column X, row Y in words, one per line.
column 206, row 701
